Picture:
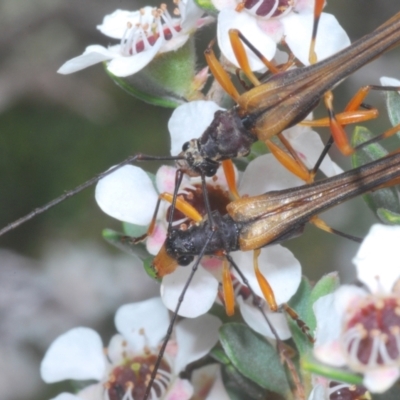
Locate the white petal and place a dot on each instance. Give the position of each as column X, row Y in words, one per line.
column 387, row 81
column 195, row 338
column 77, row 354
column 143, row 323
column 157, row 239
column 117, row 348
column 92, row 392
column 199, row 297
column 377, row 260
column 125, row 66
column 380, row 380
column 128, row 195
column 181, row 389
column 309, row 146
column 190, row 15
column 279, row 267
column 348, row 298
column 181, row 126
column 115, row 24
column 91, row 56
column 331, row 353
column 66, row 396
column 329, row 321
column 252, row 316
column 264, row 174
column 331, row 37
column 230, row 19
column 175, row 43
column 165, row 179
column 218, row 391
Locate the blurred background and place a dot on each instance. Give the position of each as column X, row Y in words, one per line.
column 57, row 131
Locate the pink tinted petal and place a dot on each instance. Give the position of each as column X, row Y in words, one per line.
column 181, row 126
column 252, row 316
column 157, row 239
column 92, row 55
column 329, row 322
column 125, row 66
column 92, row 392
column 195, row 338
column 309, row 146
column 143, row 323
column 279, row 267
column 230, row 19
column 272, row 28
column 218, row 391
column 199, row 297
column 264, row 174
column 165, row 179
column 181, row 389
column 377, row 261
column 331, row 37
column 128, row 195
column 380, row 380
column 77, row 354
column 330, row 353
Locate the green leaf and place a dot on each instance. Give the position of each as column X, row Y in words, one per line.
column 120, row 241
column 239, row 387
column 133, row 230
column 382, row 202
column 388, row 217
column 219, row 311
column 368, row 153
column 393, row 107
column 254, row 357
column 300, row 302
column 326, row 285
column 331, row 373
column 167, row 81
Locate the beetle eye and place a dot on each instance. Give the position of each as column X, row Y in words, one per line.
column 185, row 146
column 184, row 261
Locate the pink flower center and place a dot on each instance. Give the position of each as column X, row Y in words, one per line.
column 268, row 8
column 129, row 380
column 372, row 335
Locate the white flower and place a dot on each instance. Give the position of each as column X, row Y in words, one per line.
column 125, row 369
column 360, row 328
column 143, row 34
column 265, row 24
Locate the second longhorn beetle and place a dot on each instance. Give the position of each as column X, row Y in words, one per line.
column 280, row 102
column 254, row 222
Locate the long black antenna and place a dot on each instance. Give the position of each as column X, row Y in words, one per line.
column 88, row 183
